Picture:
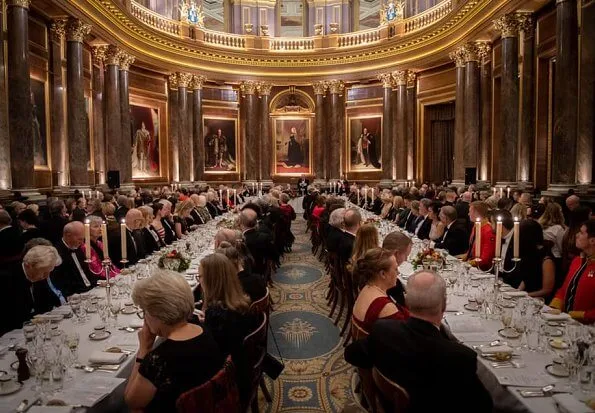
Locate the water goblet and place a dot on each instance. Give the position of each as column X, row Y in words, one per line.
column 114, row 308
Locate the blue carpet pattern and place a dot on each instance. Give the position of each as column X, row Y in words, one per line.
column 316, row 377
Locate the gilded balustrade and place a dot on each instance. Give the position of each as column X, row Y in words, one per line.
column 155, row 20
column 428, row 17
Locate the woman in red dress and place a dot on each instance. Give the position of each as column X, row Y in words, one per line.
column 479, row 210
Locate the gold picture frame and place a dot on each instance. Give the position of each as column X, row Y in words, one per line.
column 374, row 124
column 282, row 123
column 210, row 125
column 45, row 125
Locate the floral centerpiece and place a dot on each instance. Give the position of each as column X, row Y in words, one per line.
column 227, row 223
column 373, row 221
column 174, row 261
column 429, row 258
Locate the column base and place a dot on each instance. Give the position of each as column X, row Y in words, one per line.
column 125, row 188
column 504, row 184
column 386, row 183
column 525, row 185
column 31, row 194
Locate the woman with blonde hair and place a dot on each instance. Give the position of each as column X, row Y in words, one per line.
column 398, row 206
column 401, row 246
column 365, row 239
column 552, row 222
column 519, row 211
column 387, row 204
column 153, row 242
column 181, row 217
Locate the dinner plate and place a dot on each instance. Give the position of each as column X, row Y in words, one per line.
column 471, row 307
column 191, row 272
column 99, row 335
column 557, row 370
column 509, row 333
column 10, row 387
column 558, row 344
column 129, row 310
column 554, row 332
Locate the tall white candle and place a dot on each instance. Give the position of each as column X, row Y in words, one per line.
column 501, row 192
column 235, row 196
column 220, row 197
column 498, row 238
column 87, row 240
column 104, row 240
column 507, row 192
column 477, row 238
column 123, row 239
column 228, row 198
column 516, row 237
column 358, row 195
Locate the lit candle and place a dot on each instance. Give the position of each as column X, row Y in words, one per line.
column 494, row 190
column 104, row 240
column 507, row 192
column 358, row 195
column 252, row 187
column 477, row 238
column 516, row 237
column 498, row 237
column 235, row 196
column 87, row 240
column 123, row 239
column 97, row 194
column 220, row 197
column 228, row 199
column 501, row 192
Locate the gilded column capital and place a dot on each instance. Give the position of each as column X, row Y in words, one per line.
column 386, row 79
column 99, row 54
column 319, row 87
column 126, row 60
column 508, row 25
column 336, row 87
column 197, row 82
column 184, row 79
column 411, row 79
column 172, row 81
column 248, row 87
column 458, row 56
column 484, row 48
column 19, row 3
column 526, row 24
column 264, row 88
column 76, row 30
column 112, row 55
column 400, row 77
column 58, row 29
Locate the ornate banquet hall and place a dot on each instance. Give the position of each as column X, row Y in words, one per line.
column 338, row 158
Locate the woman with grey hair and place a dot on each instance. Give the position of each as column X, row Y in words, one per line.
column 96, row 261
column 186, row 358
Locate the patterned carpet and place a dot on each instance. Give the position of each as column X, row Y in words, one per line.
column 316, row 378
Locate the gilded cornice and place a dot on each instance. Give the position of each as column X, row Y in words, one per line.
column 458, row 56
column 526, row 24
column 411, row 79
column 264, row 88
column 400, row 77
column 248, row 87
column 99, row 54
column 19, row 3
column 184, row 79
column 112, row 55
column 126, row 60
column 58, row 29
column 508, row 25
column 319, row 87
column 336, row 87
column 386, row 79
column 76, row 30
column 197, row 82
column 172, row 81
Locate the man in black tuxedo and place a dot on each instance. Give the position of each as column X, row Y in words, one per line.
column 303, row 185
column 438, row 374
column 79, row 213
column 414, row 218
column 351, row 222
column 455, row 237
column 11, row 244
column 513, row 278
column 122, row 207
column 334, row 235
column 462, row 207
column 53, row 227
column 424, row 225
column 73, row 275
column 166, row 222
column 135, row 248
column 405, row 214
column 259, row 243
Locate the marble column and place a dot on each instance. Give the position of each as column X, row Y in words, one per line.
column 98, row 53
column 127, row 133
column 251, row 144
column 20, row 110
column 78, row 123
column 509, row 101
column 472, row 109
column 185, row 160
column 336, row 88
column 266, row 148
column 411, row 129
column 586, row 108
column 459, row 143
column 58, row 110
column 527, row 119
column 173, row 144
column 197, row 132
column 486, row 113
column 387, row 129
column 400, row 123
column 320, row 128
column 5, row 179
column 113, row 124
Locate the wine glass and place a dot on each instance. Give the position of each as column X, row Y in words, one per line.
column 114, row 308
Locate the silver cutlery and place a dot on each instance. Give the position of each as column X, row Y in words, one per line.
column 110, row 368
column 25, row 405
column 546, row 391
column 507, row 364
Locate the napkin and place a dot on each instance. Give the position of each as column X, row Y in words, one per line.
column 65, row 311
column 103, row 357
column 511, row 294
column 481, row 276
column 136, row 323
column 50, row 409
column 567, row 403
column 496, row 349
column 555, row 317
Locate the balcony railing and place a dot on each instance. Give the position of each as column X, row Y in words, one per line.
column 359, row 38
column 291, row 44
column 233, row 41
column 155, row 20
column 428, row 17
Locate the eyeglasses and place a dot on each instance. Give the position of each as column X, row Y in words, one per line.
column 141, row 314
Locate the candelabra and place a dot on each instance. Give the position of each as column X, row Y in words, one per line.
column 107, row 267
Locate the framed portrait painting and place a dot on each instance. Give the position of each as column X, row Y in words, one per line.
column 146, row 155
column 220, row 144
column 292, row 137
column 364, row 144
column 40, row 123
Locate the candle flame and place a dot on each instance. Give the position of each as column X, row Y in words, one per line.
column 499, row 219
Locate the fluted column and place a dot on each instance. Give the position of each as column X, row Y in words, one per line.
column 57, row 112
column 20, row 116
column 197, row 132
column 527, row 120
column 174, row 151
column 387, row 125
column 411, row 129
column 400, row 123
column 98, row 53
column 78, row 124
column 320, row 128
column 459, row 143
column 183, row 137
column 251, row 145
column 486, row 114
column 336, row 88
column 126, row 145
column 509, row 100
column 5, row 180
column 113, row 124
column 472, row 108
column 264, row 91
column 586, row 108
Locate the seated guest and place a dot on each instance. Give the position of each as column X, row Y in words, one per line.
column 438, row 374
column 424, row 222
column 375, row 204
column 576, row 294
column 226, row 312
column 401, row 246
column 53, row 226
column 259, row 243
column 29, row 223
column 11, row 244
column 186, row 358
column 169, row 234
column 200, row 214
column 376, row 273
column 151, row 239
column 413, row 219
column 108, row 209
column 437, row 228
column 514, row 277
column 96, row 263
column 80, row 210
column 387, row 204
column 252, row 285
column 552, row 222
column 94, row 207
column 226, row 234
column 212, row 204
column 135, row 248
column 538, row 271
column 519, row 211
column 365, row 239
column 181, row 216
column 352, row 221
column 334, row 233
column 455, row 237
column 319, row 203
column 156, row 224
column 73, row 275
column 26, row 290
column 478, row 211
column 122, row 207
column 397, row 209
column 405, row 213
